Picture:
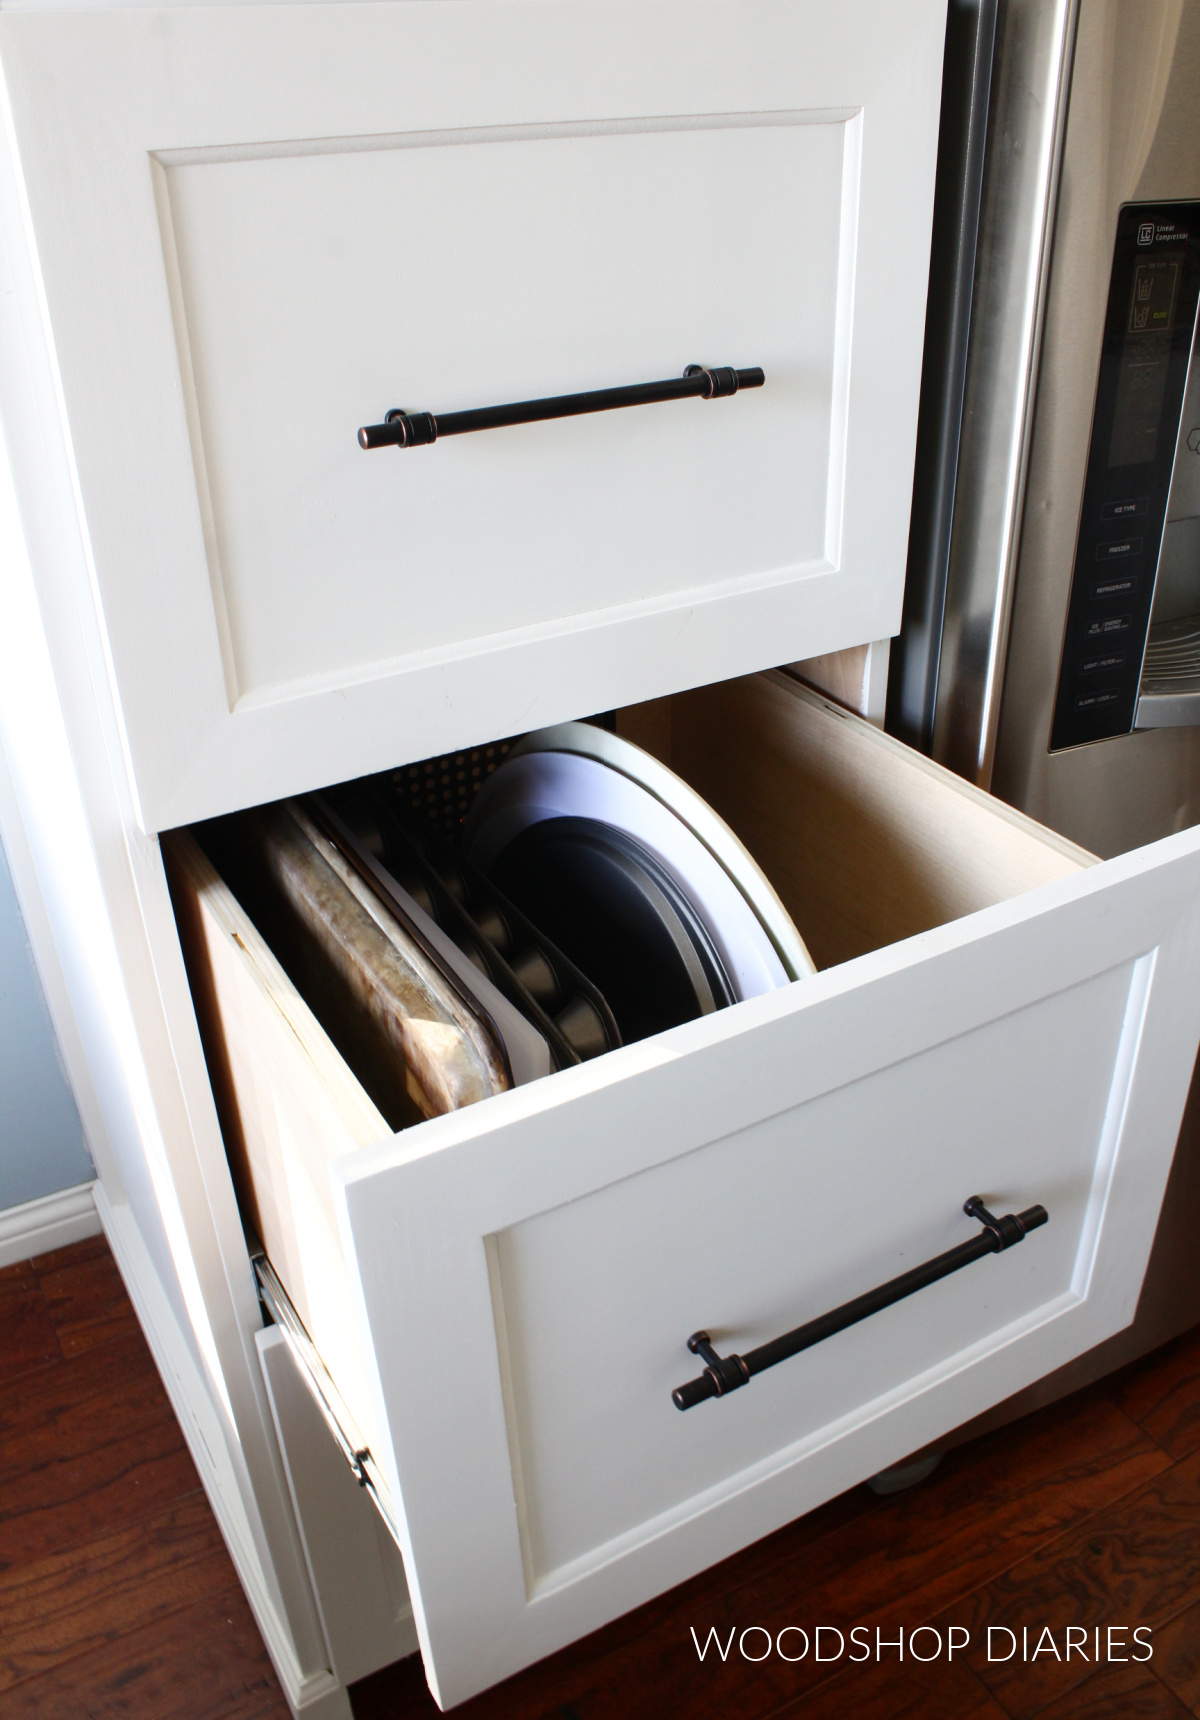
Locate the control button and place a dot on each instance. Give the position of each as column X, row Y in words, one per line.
column 1093, row 701
column 1129, row 510
column 1123, row 587
column 1113, row 660
column 1121, row 550
column 1106, row 626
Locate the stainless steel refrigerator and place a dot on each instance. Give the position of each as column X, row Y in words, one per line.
column 1051, row 640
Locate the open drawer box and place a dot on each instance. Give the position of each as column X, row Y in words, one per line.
column 502, row 1295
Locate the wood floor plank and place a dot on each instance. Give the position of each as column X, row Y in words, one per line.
column 90, row 1248
column 64, row 1503
column 66, row 1410
column 1135, row 1563
column 894, row 1690
column 87, row 1302
column 79, row 1260
column 205, row 1662
column 1177, row 1656
column 21, row 1270
column 27, row 1335
column 1162, row 1394
column 73, row 1602
column 1118, row 1693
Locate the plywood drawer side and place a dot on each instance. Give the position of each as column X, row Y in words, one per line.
column 288, row 1104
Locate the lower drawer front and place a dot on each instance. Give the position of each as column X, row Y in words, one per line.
column 512, row 1286
column 766, row 1226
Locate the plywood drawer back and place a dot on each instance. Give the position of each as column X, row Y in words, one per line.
column 866, row 841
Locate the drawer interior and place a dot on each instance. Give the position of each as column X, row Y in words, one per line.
column 865, row 841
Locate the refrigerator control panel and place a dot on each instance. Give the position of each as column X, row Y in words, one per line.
column 1148, row 339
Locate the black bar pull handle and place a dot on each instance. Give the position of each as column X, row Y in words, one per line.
column 724, row 1374
column 402, row 429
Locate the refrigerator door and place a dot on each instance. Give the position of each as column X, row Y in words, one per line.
column 1133, row 135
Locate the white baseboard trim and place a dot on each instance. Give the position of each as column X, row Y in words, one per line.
column 54, row 1221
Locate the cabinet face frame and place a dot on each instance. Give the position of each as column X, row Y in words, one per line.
column 103, row 106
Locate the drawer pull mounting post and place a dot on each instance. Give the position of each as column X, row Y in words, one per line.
column 724, row 1374
column 403, row 429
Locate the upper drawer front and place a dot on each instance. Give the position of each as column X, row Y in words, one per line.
column 260, row 228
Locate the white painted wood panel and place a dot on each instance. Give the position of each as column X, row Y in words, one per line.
column 774, row 1224
column 258, row 228
column 529, row 1271
column 356, row 1573
column 319, row 290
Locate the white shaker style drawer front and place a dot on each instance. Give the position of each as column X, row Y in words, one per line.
column 260, row 228
column 504, row 1294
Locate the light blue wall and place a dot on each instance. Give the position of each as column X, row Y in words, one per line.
column 41, row 1140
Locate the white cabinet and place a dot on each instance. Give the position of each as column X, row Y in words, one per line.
column 260, row 227
column 232, row 235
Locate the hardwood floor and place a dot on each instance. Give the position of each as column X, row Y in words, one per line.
column 119, row 1602
column 117, row 1597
